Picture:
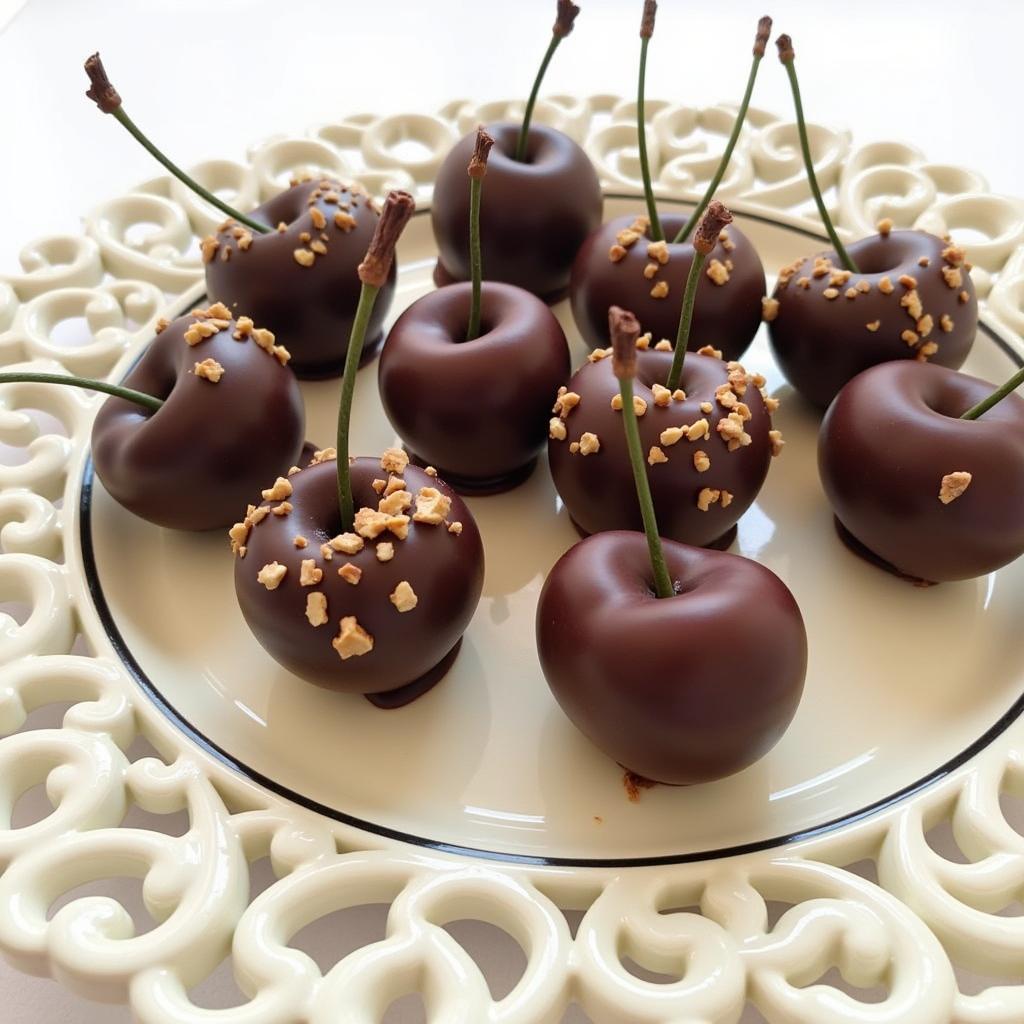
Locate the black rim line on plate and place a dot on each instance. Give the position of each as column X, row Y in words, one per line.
column 123, row 652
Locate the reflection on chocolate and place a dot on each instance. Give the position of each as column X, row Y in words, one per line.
column 727, row 314
column 301, row 283
column 597, row 488
column 477, row 410
column 534, row 215
column 892, row 443
column 683, row 689
column 913, row 299
column 441, row 564
column 194, row 463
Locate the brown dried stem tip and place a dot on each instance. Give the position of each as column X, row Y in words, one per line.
column 764, row 30
column 624, row 329
column 647, row 19
column 716, row 216
column 566, row 15
column 478, row 162
column 785, row 45
column 102, row 93
column 376, row 265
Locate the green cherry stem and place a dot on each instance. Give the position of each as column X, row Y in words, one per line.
column 477, row 172
column 87, row 384
column 625, row 329
column 373, row 273
column 704, row 240
column 997, row 396
column 646, row 31
column 565, row 16
column 106, row 97
column 764, row 27
column 787, row 57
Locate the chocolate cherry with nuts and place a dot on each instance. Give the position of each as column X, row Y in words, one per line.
column 290, row 264
column 681, row 664
column 361, row 575
column 642, row 263
column 894, row 295
column 705, row 424
column 467, row 372
column 543, row 199
column 924, row 468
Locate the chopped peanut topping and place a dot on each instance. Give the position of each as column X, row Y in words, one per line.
column 863, row 286
column 726, row 499
column 663, row 346
column 910, row 337
column 660, row 290
column 432, row 507
column 271, row 575
column 399, row 526
column 209, row 369
column 885, row 286
column 395, row 483
column 350, row 573
column 264, row 338
column 929, row 348
column 346, row 543
column 574, row 447
column 378, row 485
column 707, row 497
column 243, row 328
column 911, row 302
column 662, row 395
column 370, row 523
column 590, row 443
column 318, row 247
column 656, row 455
column 199, row 331
column 245, row 241
column 556, row 429
column 953, row 485
column 804, row 282
column 254, row 516
column 316, row 608
column 395, row 503
column 394, row 460
column 598, row 354
column 617, row 253
column 924, row 261
column 209, row 246
column 952, row 277
column 884, row 226
column 964, row 298
column 874, row 325
column 732, row 432
column 672, row 435
column 283, row 509
column 946, row 322
column 775, row 437
column 299, row 541
column 925, row 325
column 769, row 309
column 727, row 243
column 831, row 293
column 658, row 251
column 643, row 342
column 455, row 528
column 839, row 278
column 699, row 431
column 161, row 325
column 725, row 396
column 404, row 597
column 701, row 462
column 565, row 402
column 304, row 257
column 352, row 640
column 650, row 270
column 385, row 551
column 851, row 293
column 323, row 455
column 238, row 534
column 954, row 254
column 679, row 395
column 627, row 237
column 282, row 488
column 908, row 281
column 709, row 350
column 430, row 471
column 717, row 272
column 706, row 407
column 319, row 220
column 344, row 221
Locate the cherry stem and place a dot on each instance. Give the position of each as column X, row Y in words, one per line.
column 524, row 131
column 185, row 179
column 805, row 149
column 87, row 384
column 684, row 231
column 997, row 396
column 685, row 320
column 475, row 256
column 656, row 233
column 367, row 299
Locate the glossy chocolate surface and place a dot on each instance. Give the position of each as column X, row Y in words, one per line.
column 683, row 689
column 598, row 489
column 477, row 410
column 445, row 571
column 887, row 441
column 194, row 463
column 534, row 215
column 821, row 343
column 309, row 308
column 725, row 316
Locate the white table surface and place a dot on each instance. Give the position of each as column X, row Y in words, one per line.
column 206, row 77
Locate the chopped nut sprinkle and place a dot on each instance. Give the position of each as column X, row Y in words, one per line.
column 395, row 503
column 726, row 499
column 385, row 551
column 946, row 322
column 672, row 435
column 379, row 485
column 316, row 608
column 318, row 247
column 911, row 302
column 701, row 462
column 323, row 455
column 565, row 402
column 326, row 553
column 775, row 437
column 304, row 257
column 717, row 272
column 656, row 455
column 350, row 573
column 658, row 251
column 839, row 278
column 650, row 270
column 299, row 541
column 574, row 447
column 663, row 346
column 954, row 254
column 884, row 226
column 952, row 276
column 347, row 543
column 885, row 286
column 863, row 286
column 282, row 488
column 908, row 281
column 709, row 350
column 874, row 325
column 243, row 328
column 430, row 471
column 910, row 337
column 590, row 444
column 598, row 354
column 455, row 528
column 831, row 293
column 627, row 237
column 403, row 597
column 161, row 325
column 344, row 221
column 660, row 290
column 352, row 640
column 271, row 575
column 662, row 395
column 556, row 429
column 851, row 293
column 239, row 534
column 699, row 431
column 318, row 219
column 953, row 485
column 707, row 497
column 208, row 247
column 309, row 573
column 617, row 253
column 432, row 507
column 209, row 369
column 924, row 261
column 370, row 523
column 679, row 395
column 264, row 338
column 804, row 282
column 732, row 431
column 399, row 526
column 929, row 348
column 706, row 407
column 769, row 309
column 394, row 460
column 283, row 509
column 963, row 297
column 925, row 325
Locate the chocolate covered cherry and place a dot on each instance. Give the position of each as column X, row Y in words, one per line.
column 620, row 265
column 912, row 298
column 683, row 689
column 300, row 280
column 232, row 417
column 707, row 453
column 932, row 495
column 379, row 610
column 474, row 409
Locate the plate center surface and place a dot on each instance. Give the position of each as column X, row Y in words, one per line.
column 901, row 680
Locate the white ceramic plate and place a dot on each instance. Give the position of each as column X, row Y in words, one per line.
column 481, row 800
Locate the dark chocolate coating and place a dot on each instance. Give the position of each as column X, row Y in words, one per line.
column 683, row 689
column 725, row 316
column 309, row 309
column 534, row 215
column 887, row 441
column 598, row 489
column 194, row 463
column 445, row 570
column 477, row 410
column 822, row 343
